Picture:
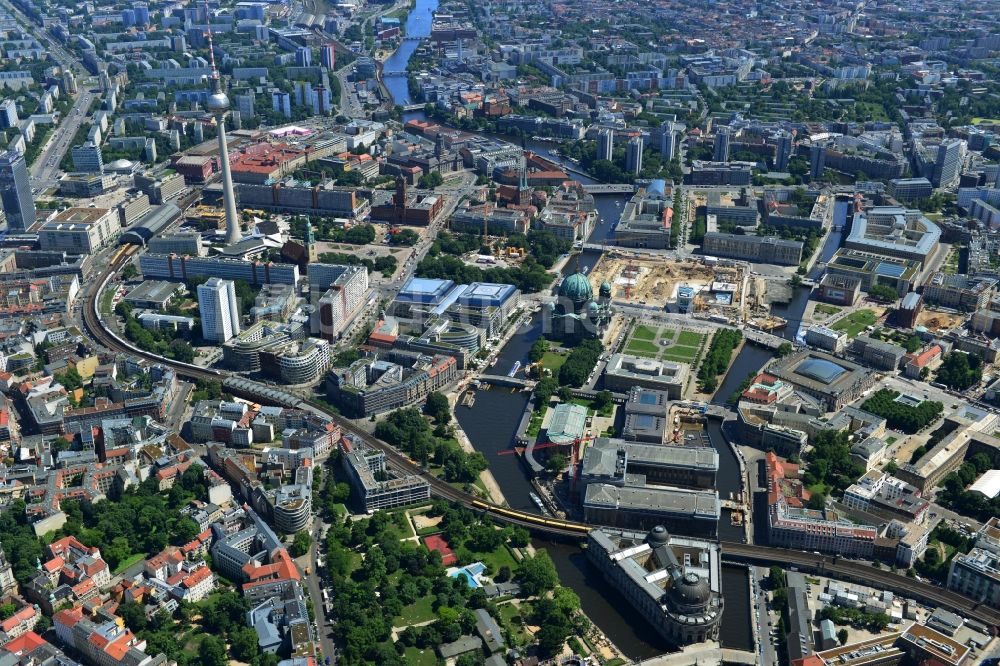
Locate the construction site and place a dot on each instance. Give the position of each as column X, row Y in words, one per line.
column 648, row 280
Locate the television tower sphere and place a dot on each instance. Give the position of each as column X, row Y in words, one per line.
column 217, row 102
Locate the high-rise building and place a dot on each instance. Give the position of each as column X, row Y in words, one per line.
column 87, row 158
column 721, row 152
column 605, row 144
column 142, row 14
column 633, row 156
column 245, row 104
column 281, row 102
column 15, row 191
column 948, row 163
column 220, row 316
column 303, row 56
column 128, row 18
column 669, row 132
column 8, row 114
column 817, row 162
column 328, row 56
column 217, row 103
column 782, row 151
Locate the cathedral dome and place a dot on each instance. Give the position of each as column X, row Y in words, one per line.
column 576, row 288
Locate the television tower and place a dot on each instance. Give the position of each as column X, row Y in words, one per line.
column 217, row 104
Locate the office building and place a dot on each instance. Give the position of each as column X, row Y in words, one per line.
column 977, row 575
column 87, row 158
column 605, row 144
column 826, row 339
column 373, row 385
column 839, row 289
column 959, row 291
column 948, row 163
column 179, row 267
column 673, row 582
column 909, row 189
column 220, row 313
column 328, row 56
column 647, row 218
column 15, row 191
column 8, row 114
column 877, row 354
column 870, row 269
column 720, row 151
column 80, row 230
column 757, row 249
column 188, row 243
column 633, row 156
column 345, row 294
column 372, row 479
column 714, row 173
column 894, row 232
column 782, row 151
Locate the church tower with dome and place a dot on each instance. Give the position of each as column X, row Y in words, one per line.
column 576, row 314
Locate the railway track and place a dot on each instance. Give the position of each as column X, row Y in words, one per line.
column 551, row 527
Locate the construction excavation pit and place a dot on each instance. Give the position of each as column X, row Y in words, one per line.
column 649, row 281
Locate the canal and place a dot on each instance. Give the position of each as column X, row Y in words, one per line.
column 418, row 24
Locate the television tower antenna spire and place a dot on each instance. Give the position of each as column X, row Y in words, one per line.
column 217, row 103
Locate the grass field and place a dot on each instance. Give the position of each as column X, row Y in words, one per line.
column 414, row 656
column 668, row 334
column 553, row 361
column 823, row 308
column 855, row 322
column 419, row 611
column 978, row 121
column 689, row 339
column 513, row 618
column 642, row 346
column 681, row 354
column 643, row 333
column 128, row 561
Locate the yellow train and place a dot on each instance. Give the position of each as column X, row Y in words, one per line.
column 527, row 517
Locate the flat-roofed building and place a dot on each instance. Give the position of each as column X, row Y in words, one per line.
column 839, row 289
column 877, row 354
column 872, row 269
column 908, row 189
column 80, row 230
column 823, row 337
column 959, row 291
column 673, row 582
column 623, row 372
column 894, row 232
column 365, row 467
column 977, row 575
column 152, row 294
column 646, row 415
column 618, row 462
column 692, row 512
column 188, row 243
column 925, row 645
column 834, row 381
column 757, row 249
column 646, row 219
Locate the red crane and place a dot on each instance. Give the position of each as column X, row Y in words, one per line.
column 574, row 455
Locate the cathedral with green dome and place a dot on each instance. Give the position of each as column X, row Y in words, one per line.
column 577, row 314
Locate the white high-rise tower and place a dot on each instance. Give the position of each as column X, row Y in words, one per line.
column 217, row 104
column 220, row 314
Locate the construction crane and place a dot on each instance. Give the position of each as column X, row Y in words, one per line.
column 574, row 454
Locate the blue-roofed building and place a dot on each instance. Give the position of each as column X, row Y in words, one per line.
column 427, row 291
column 834, row 381
column 685, row 297
column 873, row 268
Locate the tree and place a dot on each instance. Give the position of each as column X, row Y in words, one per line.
column 538, row 349
column 556, row 463
column 6, row 610
column 301, row 543
column 437, row 407
column 882, row 292
column 784, row 349
column 243, row 643
column 817, row 501
column 537, row 574
column 212, row 651
column 959, row 371
column 842, row 636
column 603, row 400
column 130, row 272
column 565, row 393
column 430, row 180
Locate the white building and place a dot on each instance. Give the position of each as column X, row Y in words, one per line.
column 220, row 316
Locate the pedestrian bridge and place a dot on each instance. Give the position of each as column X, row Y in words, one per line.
column 763, row 339
column 609, row 189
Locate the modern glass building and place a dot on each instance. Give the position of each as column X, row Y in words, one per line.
column 15, row 191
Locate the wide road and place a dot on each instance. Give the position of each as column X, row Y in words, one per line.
column 45, row 170
column 832, row 566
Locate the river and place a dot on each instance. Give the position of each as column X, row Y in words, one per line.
column 418, row 24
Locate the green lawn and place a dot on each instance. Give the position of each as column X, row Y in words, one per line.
column 106, row 299
column 553, row 361
column 689, row 339
column 668, row 334
column 642, row 346
column 643, row 333
column 890, row 441
column 127, row 562
column 419, row 611
column 417, row 657
column 855, row 322
column 681, row 354
column 512, row 617
column 498, row 558
column 823, row 308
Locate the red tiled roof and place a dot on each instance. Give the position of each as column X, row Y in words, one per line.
column 26, row 643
